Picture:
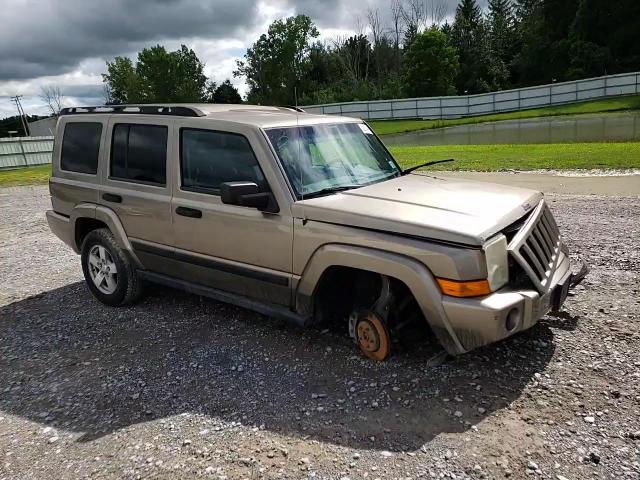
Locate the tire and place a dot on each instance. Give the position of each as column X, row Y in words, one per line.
column 100, row 256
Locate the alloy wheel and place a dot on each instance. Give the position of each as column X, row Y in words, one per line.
column 102, row 269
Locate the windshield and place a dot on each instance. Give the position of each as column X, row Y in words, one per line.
column 320, row 158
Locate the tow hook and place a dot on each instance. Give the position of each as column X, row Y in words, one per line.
column 577, row 278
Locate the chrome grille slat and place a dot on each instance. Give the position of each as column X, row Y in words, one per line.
column 545, row 224
column 548, row 252
column 539, row 267
column 536, row 247
column 552, row 224
column 552, row 233
column 541, row 255
column 546, row 234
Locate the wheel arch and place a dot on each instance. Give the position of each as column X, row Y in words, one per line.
column 88, row 217
column 414, row 275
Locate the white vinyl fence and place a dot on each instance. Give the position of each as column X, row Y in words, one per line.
column 25, row 151
column 486, row 103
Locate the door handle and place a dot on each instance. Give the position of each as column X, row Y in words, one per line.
column 189, row 212
column 112, row 197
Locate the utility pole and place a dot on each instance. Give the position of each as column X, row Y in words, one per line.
column 23, row 117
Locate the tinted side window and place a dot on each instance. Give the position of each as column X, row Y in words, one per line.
column 139, row 153
column 80, row 147
column 209, row 158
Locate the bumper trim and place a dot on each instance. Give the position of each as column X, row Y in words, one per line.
column 483, row 320
column 61, row 226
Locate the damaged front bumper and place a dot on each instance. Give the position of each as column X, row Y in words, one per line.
column 484, row 320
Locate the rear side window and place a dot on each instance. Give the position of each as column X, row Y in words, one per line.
column 139, row 153
column 80, row 147
column 209, row 158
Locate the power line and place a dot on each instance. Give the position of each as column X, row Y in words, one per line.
column 23, row 116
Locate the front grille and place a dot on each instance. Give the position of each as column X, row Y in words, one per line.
column 536, row 247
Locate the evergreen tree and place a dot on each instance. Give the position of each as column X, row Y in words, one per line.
column 502, row 40
column 410, row 34
column 226, row 93
column 605, row 38
column 447, row 30
column 469, row 37
column 502, row 28
column 545, row 53
column 525, row 8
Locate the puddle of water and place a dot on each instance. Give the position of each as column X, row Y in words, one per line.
column 611, row 127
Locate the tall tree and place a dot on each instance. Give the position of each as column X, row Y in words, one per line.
column 122, row 82
column 525, row 8
column 431, row 65
column 276, row 65
column 191, row 81
column 604, row 38
column 53, row 97
column 410, row 34
column 502, row 40
column 355, row 56
column 545, row 49
column 396, row 19
column 226, row 93
column 469, row 37
column 158, row 76
column 356, row 68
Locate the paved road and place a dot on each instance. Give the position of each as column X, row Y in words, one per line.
column 566, row 183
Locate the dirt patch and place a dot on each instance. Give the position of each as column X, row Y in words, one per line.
column 180, row 386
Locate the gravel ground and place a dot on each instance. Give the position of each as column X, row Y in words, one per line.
column 180, row 386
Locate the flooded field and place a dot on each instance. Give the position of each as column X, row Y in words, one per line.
column 611, row 127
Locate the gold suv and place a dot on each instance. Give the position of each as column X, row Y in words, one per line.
column 301, row 216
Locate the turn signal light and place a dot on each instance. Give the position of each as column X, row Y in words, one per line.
column 476, row 288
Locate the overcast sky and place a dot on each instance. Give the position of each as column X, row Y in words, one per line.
column 67, row 42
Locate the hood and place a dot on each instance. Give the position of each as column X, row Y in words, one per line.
column 449, row 210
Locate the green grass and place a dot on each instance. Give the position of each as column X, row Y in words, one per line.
column 25, row 176
column 468, row 157
column 523, row 157
column 386, row 127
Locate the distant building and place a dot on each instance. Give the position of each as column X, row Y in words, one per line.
column 43, row 128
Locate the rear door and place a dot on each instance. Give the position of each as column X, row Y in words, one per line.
column 137, row 185
column 228, row 247
column 75, row 175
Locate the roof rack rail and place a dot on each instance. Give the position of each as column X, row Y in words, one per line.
column 171, row 110
column 291, row 107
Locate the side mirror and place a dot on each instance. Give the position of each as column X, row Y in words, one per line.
column 247, row 194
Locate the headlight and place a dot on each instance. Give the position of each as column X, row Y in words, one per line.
column 495, row 253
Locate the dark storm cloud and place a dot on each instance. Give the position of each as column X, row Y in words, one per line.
column 347, row 13
column 49, row 37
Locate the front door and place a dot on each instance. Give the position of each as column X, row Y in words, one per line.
column 236, row 249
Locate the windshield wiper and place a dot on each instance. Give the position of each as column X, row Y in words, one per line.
column 330, row 190
column 428, row 164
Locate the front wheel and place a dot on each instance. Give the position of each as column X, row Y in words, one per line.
column 108, row 271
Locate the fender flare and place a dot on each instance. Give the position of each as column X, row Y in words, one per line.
column 416, row 276
column 110, row 219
